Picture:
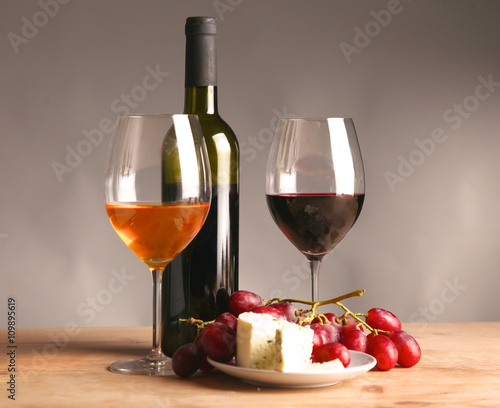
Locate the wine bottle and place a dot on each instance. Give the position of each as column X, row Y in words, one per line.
column 199, row 281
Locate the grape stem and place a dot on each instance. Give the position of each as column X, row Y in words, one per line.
column 360, row 322
column 315, row 305
column 200, row 324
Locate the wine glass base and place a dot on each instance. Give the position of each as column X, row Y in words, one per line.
column 143, row 366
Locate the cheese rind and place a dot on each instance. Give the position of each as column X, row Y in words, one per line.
column 266, row 343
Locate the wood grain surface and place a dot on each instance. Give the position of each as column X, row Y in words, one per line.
column 460, row 367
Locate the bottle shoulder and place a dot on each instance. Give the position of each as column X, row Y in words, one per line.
column 222, row 148
column 214, row 125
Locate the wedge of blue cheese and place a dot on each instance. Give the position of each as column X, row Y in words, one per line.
column 294, row 345
column 266, row 343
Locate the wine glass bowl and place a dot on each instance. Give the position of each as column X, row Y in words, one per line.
column 315, row 184
column 157, row 196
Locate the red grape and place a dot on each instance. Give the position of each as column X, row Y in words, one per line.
column 206, row 367
column 383, row 320
column 218, row 341
column 229, row 319
column 385, row 352
column 270, row 311
column 355, row 340
column 319, row 334
column 332, row 318
column 243, row 300
column 349, row 323
column 187, row 359
column 331, row 351
column 288, row 309
column 408, row 348
column 324, row 334
column 321, row 319
column 332, row 333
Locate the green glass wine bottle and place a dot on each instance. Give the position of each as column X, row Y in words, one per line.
column 199, row 281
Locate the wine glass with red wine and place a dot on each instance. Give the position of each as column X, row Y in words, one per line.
column 157, row 193
column 315, row 185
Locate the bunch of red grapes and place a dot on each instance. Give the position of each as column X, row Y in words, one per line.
column 334, row 336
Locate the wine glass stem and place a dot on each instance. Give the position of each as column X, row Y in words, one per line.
column 156, row 352
column 315, row 263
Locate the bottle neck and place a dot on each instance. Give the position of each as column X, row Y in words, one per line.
column 201, row 100
column 201, row 60
column 201, row 66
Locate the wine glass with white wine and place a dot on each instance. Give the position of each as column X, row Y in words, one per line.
column 157, row 194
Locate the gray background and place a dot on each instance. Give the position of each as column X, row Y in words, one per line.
column 426, row 243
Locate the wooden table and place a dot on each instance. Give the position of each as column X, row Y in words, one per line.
column 460, row 367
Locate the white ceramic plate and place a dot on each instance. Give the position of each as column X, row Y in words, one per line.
column 360, row 364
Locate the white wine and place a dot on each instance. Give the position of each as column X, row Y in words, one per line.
column 199, row 281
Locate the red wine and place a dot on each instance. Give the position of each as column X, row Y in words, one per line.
column 315, row 223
